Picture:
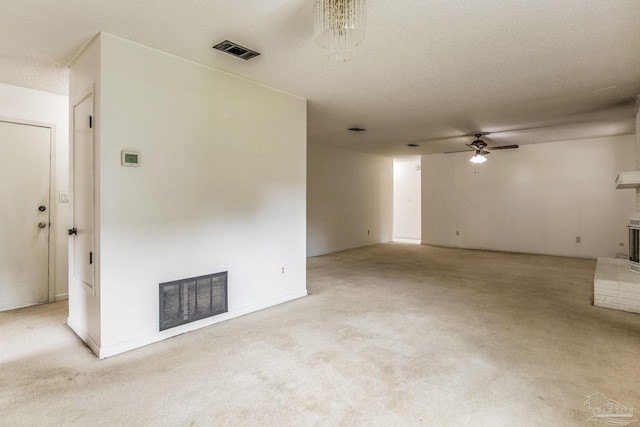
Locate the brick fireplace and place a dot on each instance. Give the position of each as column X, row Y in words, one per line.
column 615, row 285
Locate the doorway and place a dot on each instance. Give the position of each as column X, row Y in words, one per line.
column 407, row 200
column 25, row 191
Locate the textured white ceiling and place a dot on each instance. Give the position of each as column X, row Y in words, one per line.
column 430, row 72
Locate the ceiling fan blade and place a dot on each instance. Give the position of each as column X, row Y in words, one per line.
column 501, row 147
column 459, row 151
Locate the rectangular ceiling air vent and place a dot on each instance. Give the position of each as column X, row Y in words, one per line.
column 236, row 50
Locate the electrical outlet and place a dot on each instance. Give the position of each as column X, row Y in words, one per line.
column 578, row 239
column 457, row 233
column 368, row 231
column 621, row 244
column 282, row 270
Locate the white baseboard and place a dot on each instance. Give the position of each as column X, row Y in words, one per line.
column 84, row 336
column 346, row 248
column 115, row 349
column 61, row 297
column 403, row 240
column 511, row 251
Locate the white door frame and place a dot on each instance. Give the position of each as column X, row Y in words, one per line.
column 53, row 208
column 90, row 91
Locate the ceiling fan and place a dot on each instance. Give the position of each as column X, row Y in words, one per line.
column 481, row 149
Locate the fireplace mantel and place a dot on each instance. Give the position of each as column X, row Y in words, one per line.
column 628, row 180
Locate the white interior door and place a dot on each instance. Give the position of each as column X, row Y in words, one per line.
column 25, row 161
column 83, row 193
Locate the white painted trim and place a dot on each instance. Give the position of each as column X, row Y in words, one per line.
column 84, row 95
column 84, row 336
column 509, row 251
column 347, row 248
column 53, row 207
column 179, row 330
column 26, row 122
column 89, row 92
column 200, row 65
column 22, row 306
column 61, row 297
column 403, row 240
column 53, row 213
column 81, row 50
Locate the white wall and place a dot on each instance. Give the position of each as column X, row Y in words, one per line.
column 31, row 105
column 534, row 199
column 349, row 199
column 406, row 199
column 221, row 187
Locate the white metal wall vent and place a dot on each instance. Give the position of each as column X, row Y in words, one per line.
column 236, row 50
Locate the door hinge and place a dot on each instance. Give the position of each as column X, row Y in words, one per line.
column 90, row 257
column 90, row 122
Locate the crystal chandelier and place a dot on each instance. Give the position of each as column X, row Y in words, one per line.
column 339, row 26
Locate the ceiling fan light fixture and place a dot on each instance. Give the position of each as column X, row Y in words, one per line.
column 478, row 158
column 339, row 26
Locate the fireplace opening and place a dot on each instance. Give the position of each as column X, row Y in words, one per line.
column 634, row 243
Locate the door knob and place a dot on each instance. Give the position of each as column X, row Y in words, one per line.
column 73, row 231
column 42, row 225
column 42, row 208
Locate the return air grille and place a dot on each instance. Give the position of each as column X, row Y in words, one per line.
column 192, row 299
column 236, row 50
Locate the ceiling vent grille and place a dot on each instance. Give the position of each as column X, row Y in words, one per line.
column 236, row 50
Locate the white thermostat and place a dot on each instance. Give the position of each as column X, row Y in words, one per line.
column 130, row 158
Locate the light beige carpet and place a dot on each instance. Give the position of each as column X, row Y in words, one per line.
column 390, row 335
